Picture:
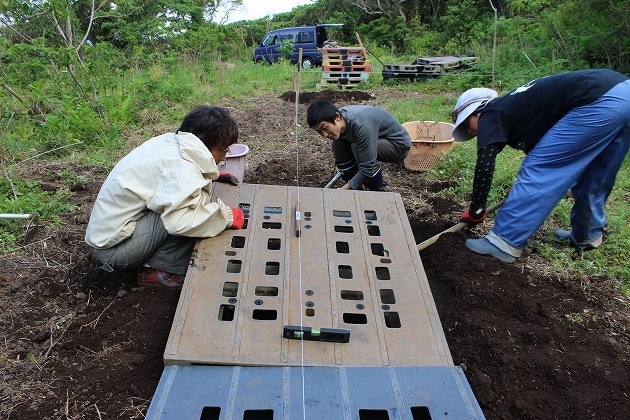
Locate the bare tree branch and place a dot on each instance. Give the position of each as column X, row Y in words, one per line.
column 58, row 28
column 93, row 10
column 12, row 29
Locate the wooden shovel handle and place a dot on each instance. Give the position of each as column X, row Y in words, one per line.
column 457, row 227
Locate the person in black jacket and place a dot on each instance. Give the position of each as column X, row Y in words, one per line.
column 574, row 128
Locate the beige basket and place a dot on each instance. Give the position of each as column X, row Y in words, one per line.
column 430, row 141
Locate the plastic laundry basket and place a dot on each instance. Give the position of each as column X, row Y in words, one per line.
column 235, row 160
column 430, row 141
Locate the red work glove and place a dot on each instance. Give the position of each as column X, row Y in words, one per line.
column 239, row 218
column 469, row 218
column 228, row 178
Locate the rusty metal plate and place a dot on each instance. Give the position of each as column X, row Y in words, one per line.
column 349, row 263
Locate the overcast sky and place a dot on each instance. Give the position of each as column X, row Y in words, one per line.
column 256, row 9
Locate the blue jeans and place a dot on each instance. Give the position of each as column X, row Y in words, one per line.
column 582, row 152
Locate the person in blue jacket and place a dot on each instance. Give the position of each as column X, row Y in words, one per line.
column 574, row 128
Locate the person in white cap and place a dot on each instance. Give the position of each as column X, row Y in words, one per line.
column 574, row 128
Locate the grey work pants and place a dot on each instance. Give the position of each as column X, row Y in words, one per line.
column 150, row 243
column 386, row 151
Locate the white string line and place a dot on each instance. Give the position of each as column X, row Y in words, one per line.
column 297, row 179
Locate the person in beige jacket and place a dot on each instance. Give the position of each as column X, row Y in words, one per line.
column 155, row 202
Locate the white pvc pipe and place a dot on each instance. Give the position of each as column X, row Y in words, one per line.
column 15, row 216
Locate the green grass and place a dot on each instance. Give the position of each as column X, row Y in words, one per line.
column 29, row 198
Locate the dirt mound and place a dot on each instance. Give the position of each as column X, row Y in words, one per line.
column 340, row 97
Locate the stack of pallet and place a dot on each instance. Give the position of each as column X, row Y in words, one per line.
column 344, row 67
column 427, row 68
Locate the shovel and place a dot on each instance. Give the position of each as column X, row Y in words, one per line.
column 457, row 227
column 332, row 181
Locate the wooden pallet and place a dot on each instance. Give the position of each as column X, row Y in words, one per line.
column 345, row 63
column 321, row 86
column 344, row 51
column 362, row 69
column 408, row 77
column 341, row 82
column 345, row 75
column 411, row 68
column 448, row 62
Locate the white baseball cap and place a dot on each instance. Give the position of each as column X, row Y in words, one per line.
column 465, row 106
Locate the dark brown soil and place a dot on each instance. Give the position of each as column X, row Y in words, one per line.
column 78, row 342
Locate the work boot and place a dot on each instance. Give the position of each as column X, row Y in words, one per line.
column 148, row 276
column 566, row 235
column 484, row 246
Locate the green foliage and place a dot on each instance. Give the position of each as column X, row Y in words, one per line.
column 118, row 110
column 30, row 199
column 422, row 41
column 464, row 23
column 383, row 32
column 583, row 33
column 22, row 63
column 75, row 124
column 286, row 49
column 106, row 62
column 211, row 43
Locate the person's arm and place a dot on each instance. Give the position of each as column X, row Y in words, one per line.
column 198, row 217
column 367, row 141
column 484, row 171
column 184, row 203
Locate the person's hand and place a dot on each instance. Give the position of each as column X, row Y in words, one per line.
column 473, row 218
column 239, row 218
column 228, row 178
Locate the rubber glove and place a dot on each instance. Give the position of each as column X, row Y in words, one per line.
column 239, row 218
column 473, row 218
column 228, row 178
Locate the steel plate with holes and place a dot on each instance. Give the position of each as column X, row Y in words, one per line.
column 363, row 393
column 354, row 266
